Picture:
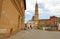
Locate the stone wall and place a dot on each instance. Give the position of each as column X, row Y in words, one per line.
column 9, row 16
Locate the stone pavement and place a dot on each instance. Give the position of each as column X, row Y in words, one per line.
column 36, row 34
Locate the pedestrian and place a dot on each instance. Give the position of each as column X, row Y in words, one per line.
column 30, row 26
column 25, row 26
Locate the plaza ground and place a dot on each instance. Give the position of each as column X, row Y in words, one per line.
column 36, row 34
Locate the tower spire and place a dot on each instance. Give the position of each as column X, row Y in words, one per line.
column 36, row 11
column 36, row 8
column 36, row 3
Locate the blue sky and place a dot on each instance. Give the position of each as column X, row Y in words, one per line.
column 46, row 8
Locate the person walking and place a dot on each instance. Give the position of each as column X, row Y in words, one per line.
column 30, row 26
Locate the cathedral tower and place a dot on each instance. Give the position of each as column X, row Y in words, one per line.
column 36, row 12
column 35, row 18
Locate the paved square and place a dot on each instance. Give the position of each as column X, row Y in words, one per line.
column 36, row 34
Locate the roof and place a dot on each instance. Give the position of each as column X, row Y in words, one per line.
column 25, row 4
column 58, row 17
column 43, row 19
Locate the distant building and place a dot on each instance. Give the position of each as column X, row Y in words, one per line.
column 47, row 23
column 30, row 23
column 58, row 26
column 58, row 23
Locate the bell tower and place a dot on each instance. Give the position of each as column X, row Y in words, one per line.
column 36, row 15
column 36, row 11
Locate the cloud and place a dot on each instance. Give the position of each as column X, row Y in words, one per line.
column 41, row 5
column 47, row 8
column 44, row 16
column 40, row 1
column 30, row 4
column 29, row 12
column 52, row 6
column 28, row 15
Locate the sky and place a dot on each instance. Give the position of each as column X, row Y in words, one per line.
column 46, row 8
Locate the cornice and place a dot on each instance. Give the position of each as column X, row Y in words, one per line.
column 17, row 4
